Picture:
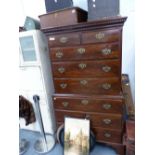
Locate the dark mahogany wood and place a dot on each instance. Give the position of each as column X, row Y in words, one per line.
column 91, row 52
column 87, row 85
column 97, row 119
column 82, row 69
column 63, row 17
column 101, row 36
column 129, row 137
column 108, row 135
column 87, row 104
column 107, row 23
column 64, row 39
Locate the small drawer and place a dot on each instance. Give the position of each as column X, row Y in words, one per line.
column 101, row 36
column 97, row 120
column 64, row 40
column 79, row 69
column 85, row 52
column 89, row 104
column 88, row 85
column 107, row 135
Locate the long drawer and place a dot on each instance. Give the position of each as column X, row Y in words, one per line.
column 87, row 85
column 101, row 36
column 89, row 104
column 85, row 52
column 101, row 134
column 109, row 135
column 97, row 120
column 90, row 69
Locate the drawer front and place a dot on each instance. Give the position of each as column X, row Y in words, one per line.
column 106, row 135
column 97, row 120
column 102, row 68
column 89, row 105
column 88, row 52
column 64, row 40
column 101, row 36
column 114, row 136
column 88, row 86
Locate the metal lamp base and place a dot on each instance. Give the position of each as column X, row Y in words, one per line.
column 23, row 146
column 41, row 147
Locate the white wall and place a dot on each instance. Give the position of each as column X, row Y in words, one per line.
column 128, row 49
column 34, row 8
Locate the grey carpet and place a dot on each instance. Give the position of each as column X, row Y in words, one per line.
column 58, row 150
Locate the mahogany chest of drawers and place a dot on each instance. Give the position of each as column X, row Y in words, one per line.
column 86, row 66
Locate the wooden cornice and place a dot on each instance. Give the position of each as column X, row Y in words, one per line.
column 117, row 21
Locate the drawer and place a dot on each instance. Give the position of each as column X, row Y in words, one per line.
column 90, row 69
column 114, row 136
column 89, row 104
column 64, row 40
column 85, row 52
column 103, row 135
column 96, row 120
column 101, row 36
column 87, row 85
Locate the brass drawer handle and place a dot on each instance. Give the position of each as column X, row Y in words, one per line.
column 83, row 82
column 106, row 51
column 106, row 106
column 82, row 66
column 100, row 36
column 59, row 54
column 63, row 40
column 65, row 104
column 107, row 135
column 106, row 86
column 107, row 121
column 106, row 68
column 63, row 85
column 81, row 50
column 85, row 102
column 61, row 70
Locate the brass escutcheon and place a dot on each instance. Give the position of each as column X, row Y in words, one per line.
column 81, row 50
column 106, row 106
column 83, row 82
column 82, row 65
column 63, row 40
column 84, row 102
column 61, row 70
column 65, row 104
column 63, row 85
column 99, row 36
column 106, row 51
column 107, row 135
column 106, row 86
column 106, row 68
column 59, row 54
column 107, row 121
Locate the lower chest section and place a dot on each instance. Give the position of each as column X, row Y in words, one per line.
column 105, row 114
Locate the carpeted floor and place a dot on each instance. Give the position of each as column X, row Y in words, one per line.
column 58, row 150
